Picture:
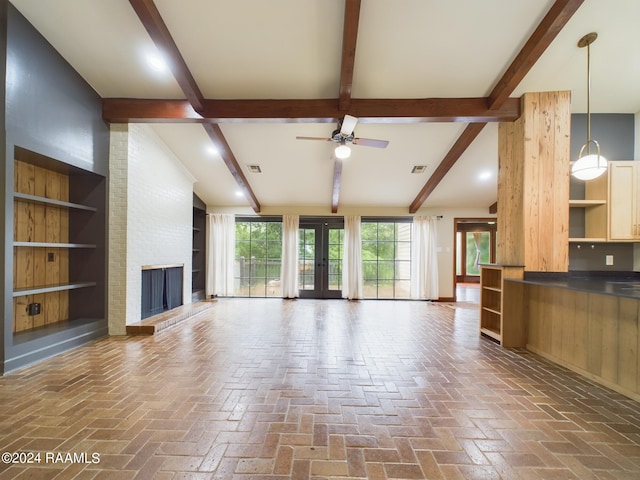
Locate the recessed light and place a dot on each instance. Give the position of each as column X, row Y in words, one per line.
column 211, row 150
column 156, row 62
column 239, row 193
column 484, row 175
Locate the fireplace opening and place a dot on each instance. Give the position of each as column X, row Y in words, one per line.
column 161, row 289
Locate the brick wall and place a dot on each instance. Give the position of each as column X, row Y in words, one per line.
column 117, row 246
column 150, row 218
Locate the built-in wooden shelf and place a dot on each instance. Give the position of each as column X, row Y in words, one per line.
column 586, row 203
column 53, row 245
column 587, row 240
column 61, row 287
column 495, row 321
column 50, row 201
column 593, row 210
column 58, row 243
column 491, row 333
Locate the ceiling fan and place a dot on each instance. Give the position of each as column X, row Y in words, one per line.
column 345, row 134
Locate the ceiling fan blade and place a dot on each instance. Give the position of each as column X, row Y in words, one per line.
column 348, row 124
column 370, row 142
column 324, row 139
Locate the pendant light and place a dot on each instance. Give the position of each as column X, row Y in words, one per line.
column 589, row 166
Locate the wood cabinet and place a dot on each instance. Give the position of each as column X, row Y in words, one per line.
column 624, row 211
column 611, row 205
column 595, row 209
column 58, row 243
column 495, row 301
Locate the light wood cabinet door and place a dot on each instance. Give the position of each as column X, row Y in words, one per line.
column 623, row 201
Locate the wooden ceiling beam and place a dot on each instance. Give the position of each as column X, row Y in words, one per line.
column 349, row 40
column 122, row 110
column 159, row 33
column 152, row 21
column 465, row 139
column 552, row 23
column 555, row 19
column 220, row 142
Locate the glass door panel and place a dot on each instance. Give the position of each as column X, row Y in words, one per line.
column 307, row 259
column 320, row 257
column 478, row 251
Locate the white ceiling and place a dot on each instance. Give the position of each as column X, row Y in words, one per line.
column 291, row 49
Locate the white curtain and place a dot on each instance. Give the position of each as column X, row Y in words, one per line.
column 352, row 259
column 221, row 248
column 424, row 259
column 289, row 268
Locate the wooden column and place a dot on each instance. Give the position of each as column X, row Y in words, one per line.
column 533, row 184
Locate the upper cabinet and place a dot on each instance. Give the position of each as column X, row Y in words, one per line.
column 624, row 211
column 611, row 205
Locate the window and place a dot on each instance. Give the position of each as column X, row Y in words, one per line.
column 258, row 258
column 386, row 258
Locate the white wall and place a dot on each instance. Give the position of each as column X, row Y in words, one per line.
column 159, row 217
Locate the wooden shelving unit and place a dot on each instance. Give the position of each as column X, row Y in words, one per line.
column 58, row 244
column 595, row 209
column 198, row 267
column 493, row 303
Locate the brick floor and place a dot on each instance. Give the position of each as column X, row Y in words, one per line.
column 272, row 389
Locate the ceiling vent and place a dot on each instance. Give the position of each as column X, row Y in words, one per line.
column 418, row 168
column 254, row 168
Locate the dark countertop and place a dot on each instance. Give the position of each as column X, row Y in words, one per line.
column 620, row 284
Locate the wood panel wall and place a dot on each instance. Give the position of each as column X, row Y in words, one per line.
column 40, row 266
column 595, row 335
column 533, row 184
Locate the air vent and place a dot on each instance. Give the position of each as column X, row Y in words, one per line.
column 418, row 168
column 254, row 168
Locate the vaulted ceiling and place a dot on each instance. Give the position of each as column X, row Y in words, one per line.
column 431, row 77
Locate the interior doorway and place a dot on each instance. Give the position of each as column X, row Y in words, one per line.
column 474, row 244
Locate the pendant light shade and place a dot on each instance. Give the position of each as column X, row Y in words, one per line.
column 589, row 165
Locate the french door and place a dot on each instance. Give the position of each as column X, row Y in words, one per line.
column 320, row 256
column 475, row 244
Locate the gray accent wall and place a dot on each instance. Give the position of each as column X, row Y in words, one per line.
column 616, row 135
column 52, row 111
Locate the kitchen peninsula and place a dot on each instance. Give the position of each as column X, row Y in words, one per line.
column 586, row 319
column 587, row 322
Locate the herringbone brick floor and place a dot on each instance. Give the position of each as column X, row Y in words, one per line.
column 272, row 389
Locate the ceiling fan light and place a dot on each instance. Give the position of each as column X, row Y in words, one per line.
column 589, row 167
column 342, row 152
